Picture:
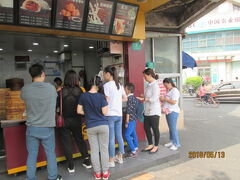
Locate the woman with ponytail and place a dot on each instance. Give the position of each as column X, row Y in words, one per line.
column 115, row 95
column 94, row 106
column 152, row 111
column 172, row 110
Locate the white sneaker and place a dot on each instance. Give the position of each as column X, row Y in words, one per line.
column 174, row 148
column 111, row 164
column 168, row 145
column 71, row 170
column 119, row 160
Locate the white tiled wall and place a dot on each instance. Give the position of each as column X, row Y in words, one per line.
column 7, row 67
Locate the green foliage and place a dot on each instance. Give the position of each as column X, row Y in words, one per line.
column 195, row 82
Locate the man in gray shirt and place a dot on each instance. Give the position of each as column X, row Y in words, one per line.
column 40, row 99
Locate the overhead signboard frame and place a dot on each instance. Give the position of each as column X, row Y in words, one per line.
column 53, row 10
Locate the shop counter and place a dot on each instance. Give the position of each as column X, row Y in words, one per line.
column 15, row 147
column 14, row 132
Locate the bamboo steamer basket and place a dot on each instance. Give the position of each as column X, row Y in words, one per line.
column 15, row 117
column 15, row 106
column 2, row 105
column 4, row 90
column 14, row 94
column 2, row 114
column 3, row 97
column 2, row 111
column 3, row 94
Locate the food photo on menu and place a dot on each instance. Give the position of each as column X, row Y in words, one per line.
column 95, row 13
column 125, row 19
column 119, row 26
column 35, row 12
column 71, row 10
column 35, row 6
column 99, row 15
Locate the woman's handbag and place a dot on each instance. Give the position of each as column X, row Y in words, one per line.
column 59, row 116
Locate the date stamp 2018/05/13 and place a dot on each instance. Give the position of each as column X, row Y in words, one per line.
column 207, row 154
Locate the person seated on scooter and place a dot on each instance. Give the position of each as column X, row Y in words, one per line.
column 202, row 93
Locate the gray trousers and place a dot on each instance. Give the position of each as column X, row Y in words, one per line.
column 98, row 138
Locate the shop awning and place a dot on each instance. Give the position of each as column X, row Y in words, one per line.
column 188, row 61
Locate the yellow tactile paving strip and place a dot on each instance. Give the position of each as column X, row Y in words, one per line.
column 146, row 176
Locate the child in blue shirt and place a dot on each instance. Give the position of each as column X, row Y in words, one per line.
column 131, row 120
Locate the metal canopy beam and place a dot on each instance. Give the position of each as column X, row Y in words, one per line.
column 176, row 15
column 198, row 10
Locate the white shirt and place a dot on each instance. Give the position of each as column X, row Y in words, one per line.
column 153, row 106
column 100, row 74
column 115, row 98
column 173, row 94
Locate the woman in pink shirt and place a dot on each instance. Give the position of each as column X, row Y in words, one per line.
column 202, row 92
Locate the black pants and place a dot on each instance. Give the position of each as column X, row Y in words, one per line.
column 152, row 122
column 205, row 97
column 73, row 127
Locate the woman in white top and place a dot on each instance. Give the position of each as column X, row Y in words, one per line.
column 152, row 110
column 115, row 95
column 171, row 109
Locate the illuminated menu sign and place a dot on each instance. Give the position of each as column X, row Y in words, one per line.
column 6, row 11
column 70, row 14
column 35, row 12
column 125, row 18
column 99, row 16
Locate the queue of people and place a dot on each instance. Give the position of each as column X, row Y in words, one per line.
column 101, row 107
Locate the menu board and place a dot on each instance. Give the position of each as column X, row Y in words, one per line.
column 99, row 16
column 70, row 14
column 125, row 18
column 6, row 11
column 35, row 12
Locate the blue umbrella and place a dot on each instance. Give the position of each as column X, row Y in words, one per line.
column 188, row 61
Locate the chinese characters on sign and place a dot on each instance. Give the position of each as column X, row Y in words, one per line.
column 215, row 22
